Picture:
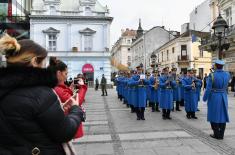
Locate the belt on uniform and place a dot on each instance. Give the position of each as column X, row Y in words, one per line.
column 167, row 88
column 141, row 86
column 218, row 90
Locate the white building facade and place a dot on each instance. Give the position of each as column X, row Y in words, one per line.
column 143, row 47
column 75, row 31
column 121, row 53
column 200, row 17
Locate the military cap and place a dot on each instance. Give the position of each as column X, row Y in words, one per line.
column 220, row 62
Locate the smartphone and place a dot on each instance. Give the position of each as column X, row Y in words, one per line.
column 74, row 96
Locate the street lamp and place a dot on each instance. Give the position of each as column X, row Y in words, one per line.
column 220, row 26
column 153, row 61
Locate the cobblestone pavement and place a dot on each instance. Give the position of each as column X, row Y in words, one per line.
column 111, row 129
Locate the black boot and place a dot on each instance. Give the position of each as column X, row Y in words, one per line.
column 142, row 114
column 178, row 106
column 182, row 102
column 168, row 112
column 215, row 128
column 193, row 115
column 120, row 97
column 150, row 104
column 164, row 114
column 188, row 115
column 153, row 107
column 137, row 110
column 132, row 109
column 222, row 127
column 157, row 107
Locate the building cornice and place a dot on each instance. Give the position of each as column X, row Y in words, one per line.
column 46, row 17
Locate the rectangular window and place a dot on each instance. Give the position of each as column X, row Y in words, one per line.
column 173, row 50
column 52, row 42
column 228, row 16
column 129, row 58
column 162, row 56
column 201, row 72
column 88, row 43
column 201, row 53
column 183, row 50
column 167, row 55
column 158, row 57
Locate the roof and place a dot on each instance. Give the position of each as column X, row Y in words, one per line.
column 100, row 8
column 129, row 33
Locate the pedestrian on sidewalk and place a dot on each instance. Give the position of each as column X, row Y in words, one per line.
column 31, row 119
column 96, row 84
column 217, row 100
column 103, row 84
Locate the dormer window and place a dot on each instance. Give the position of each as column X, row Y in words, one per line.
column 88, row 11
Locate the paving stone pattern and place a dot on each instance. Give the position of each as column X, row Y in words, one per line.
column 111, row 129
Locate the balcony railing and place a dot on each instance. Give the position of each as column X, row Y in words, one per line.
column 183, row 58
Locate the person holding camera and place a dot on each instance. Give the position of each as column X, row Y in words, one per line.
column 64, row 92
column 31, row 118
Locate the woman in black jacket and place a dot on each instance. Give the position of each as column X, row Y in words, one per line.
column 31, row 119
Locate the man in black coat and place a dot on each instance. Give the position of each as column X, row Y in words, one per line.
column 103, row 85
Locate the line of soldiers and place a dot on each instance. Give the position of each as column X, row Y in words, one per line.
column 160, row 91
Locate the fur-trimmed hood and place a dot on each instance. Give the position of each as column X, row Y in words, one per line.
column 21, row 77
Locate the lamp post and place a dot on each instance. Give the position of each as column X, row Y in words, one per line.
column 153, row 61
column 220, row 26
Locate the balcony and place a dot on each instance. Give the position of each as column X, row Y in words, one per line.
column 183, row 60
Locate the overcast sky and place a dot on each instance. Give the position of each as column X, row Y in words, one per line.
column 170, row 13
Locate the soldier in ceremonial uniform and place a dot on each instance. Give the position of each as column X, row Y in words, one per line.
column 176, row 89
column 199, row 87
column 154, row 91
column 125, row 89
column 139, row 82
column 190, row 85
column 181, row 78
column 148, row 89
column 133, row 91
column 217, row 101
column 166, row 85
column 118, row 85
